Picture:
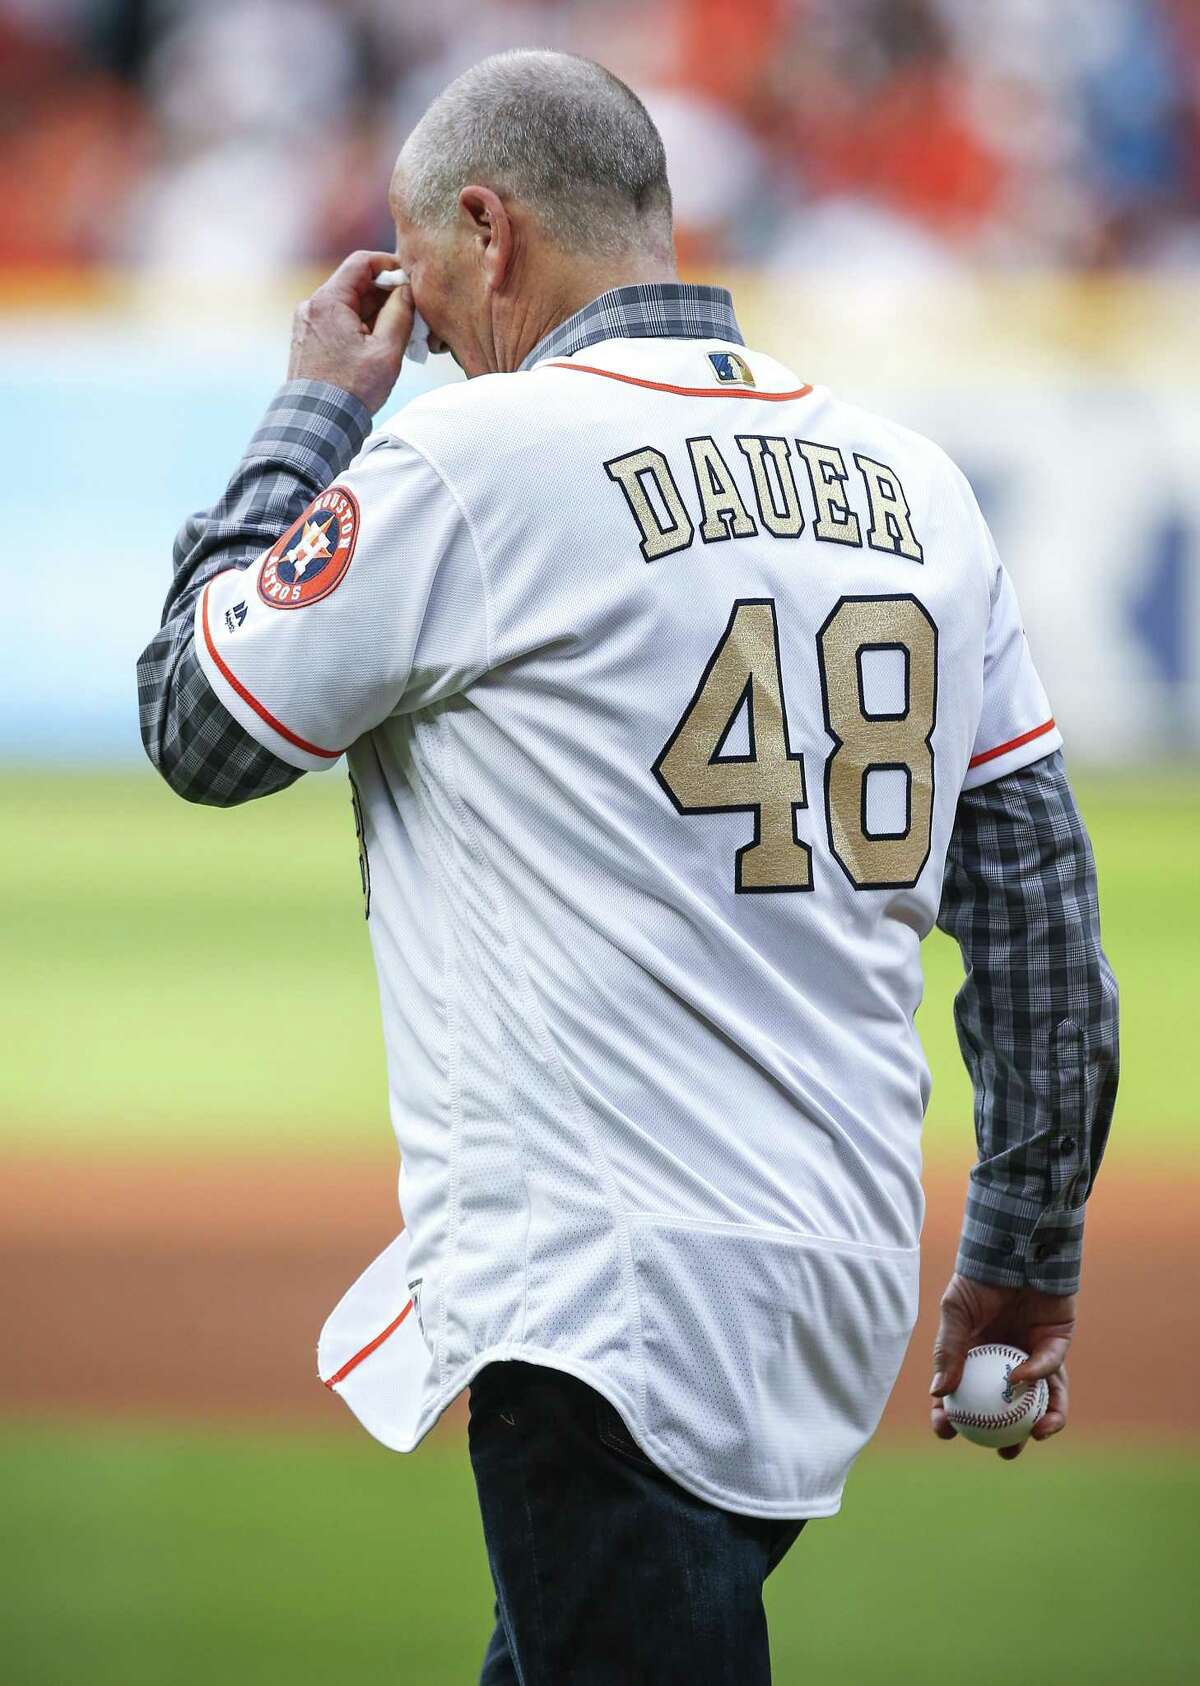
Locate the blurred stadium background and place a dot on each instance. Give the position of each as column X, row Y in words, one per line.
column 982, row 218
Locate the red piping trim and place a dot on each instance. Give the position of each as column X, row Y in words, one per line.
column 263, row 714
column 1013, row 743
column 686, row 391
column 353, row 1363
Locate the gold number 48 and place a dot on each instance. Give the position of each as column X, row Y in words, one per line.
column 744, row 672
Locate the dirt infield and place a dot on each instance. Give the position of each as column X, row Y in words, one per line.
column 198, row 1288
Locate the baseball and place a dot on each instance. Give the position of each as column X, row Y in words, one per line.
column 985, row 1407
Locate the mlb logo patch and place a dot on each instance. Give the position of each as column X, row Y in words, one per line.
column 730, row 369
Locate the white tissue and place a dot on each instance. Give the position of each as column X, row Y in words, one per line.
column 418, row 341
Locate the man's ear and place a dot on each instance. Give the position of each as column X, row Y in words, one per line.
column 492, row 231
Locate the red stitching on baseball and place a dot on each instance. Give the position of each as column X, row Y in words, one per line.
column 1001, row 1419
column 1014, row 1413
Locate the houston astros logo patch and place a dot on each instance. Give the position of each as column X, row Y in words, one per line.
column 312, row 557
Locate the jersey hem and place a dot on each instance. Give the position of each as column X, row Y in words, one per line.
column 787, row 1510
column 245, row 707
column 1021, row 739
column 1021, row 751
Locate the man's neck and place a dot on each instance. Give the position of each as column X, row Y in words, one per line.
column 572, row 290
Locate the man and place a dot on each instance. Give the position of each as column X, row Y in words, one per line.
column 679, row 699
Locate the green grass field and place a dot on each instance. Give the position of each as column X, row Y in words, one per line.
column 161, row 963
column 161, row 1559
column 165, row 954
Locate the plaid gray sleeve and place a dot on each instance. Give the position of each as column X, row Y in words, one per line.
column 1037, row 1024
column 308, row 436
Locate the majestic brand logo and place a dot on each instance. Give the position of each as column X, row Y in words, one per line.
column 730, row 369
column 312, row 557
column 414, row 1289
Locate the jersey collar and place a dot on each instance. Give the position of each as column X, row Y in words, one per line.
column 647, row 310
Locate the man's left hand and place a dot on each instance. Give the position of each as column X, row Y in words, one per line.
column 974, row 1313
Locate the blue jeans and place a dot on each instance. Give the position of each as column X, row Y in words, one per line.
column 606, row 1572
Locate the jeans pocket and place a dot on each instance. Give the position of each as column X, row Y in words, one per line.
column 491, row 1403
column 612, row 1432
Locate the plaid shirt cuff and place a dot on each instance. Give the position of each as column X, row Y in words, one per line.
column 1017, row 1243
column 314, row 427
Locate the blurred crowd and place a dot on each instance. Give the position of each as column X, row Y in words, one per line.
column 242, row 136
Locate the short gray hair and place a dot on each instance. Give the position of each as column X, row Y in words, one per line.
column 560, row 133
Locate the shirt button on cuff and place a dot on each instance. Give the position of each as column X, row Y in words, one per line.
column 1009, row 1243
column 1043, row 1250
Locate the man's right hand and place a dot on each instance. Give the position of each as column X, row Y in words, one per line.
column 974, row 1313
column 352, row 333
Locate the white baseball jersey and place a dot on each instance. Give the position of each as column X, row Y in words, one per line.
column 659, row 674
